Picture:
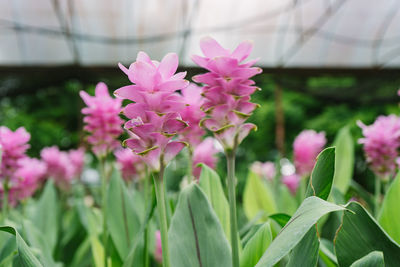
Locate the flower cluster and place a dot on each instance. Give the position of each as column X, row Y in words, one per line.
column 14, row 146
column 21, row 173
column 264, row 169
column 155, row 117
column 63, row 166
column 381, row 143
column 102, row 120
column 130, row 164
column 306, row 147
column 227, row 90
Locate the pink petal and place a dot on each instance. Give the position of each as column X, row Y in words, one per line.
column 171, row 150
column 168, row 65
column 244, row 131
column 212, row 48
column 243, row 50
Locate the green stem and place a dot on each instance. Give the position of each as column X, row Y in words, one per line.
column 104, row 204
column 230, row 157
column 5, row 199
column 162, row 213
column 189, row 174
column 147, row 197
column 377, row 195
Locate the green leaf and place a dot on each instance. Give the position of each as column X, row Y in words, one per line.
column 195, row 236
column 46, row 216
column 280, row 218
column 344, row 161
column 257, row 197
column 256, row 246
column 25, row 255
column 122, row 219
column 322, row 175
column 389, row 217
column 210, row 183
column 359, row 235
column 312, row 209
column 373, row 259
column 306, row 251
column 91, row 219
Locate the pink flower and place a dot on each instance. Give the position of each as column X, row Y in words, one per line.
column 227, row 90
column 155, row 117
column 292, row 182
column 14, row 146
column 381, row 143
column 158, row 249
column 192, row 114
column 306, row 147
column 28, row 177
column 102, row 120
column 265, row 170
column 59, row 166
column 205, row 153
column 130, row 164
column 77, row 158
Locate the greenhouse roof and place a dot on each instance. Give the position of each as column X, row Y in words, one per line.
column 286, row 33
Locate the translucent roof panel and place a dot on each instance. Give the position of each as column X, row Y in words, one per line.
column 286, row 33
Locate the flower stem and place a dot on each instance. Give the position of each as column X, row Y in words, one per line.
column 147, row 199
column 377, row 195
column 5, row 200
column 104, row 204
column 189, row 174
column 230, row 157
column 162, row 213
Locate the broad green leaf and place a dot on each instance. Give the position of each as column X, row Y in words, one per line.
column 344, row 161
column 25, row 255
column 46, row 215
column 389, row 217
column 257, row 197
column 322, row 175
column 309, row 212
column 133, row 258
column 256, row 246
column 210, row 183
column 373, row 259
column 38, row 241
column 91, row 219
column 122, row 219
column 359, row 235
column 196, row 238
column 327, row 252
column 280, row 218
column 306, row 251
column 287, row 203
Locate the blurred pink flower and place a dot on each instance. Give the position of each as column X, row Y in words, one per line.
column 292, row 182
column 306, row 147
column 130, row 164
column 381, row 143
column 158, row 249
column 28, row 177
column 14, row 146
column 59, row 166
column 265, row 170
column 102, row 120
column 77, row 158
column 205, row 153
column 227, row 90
column 192, row 114
column 154, row 116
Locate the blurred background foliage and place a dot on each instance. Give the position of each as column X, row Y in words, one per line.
column 47, row 103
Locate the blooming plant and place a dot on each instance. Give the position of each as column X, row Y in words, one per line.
column 69, row 208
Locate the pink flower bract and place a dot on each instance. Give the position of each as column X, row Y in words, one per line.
column 227, row 90
column 102, row 120
column 381, row 142
column 205, row 153
column 306, row 147
column 130, row 164
column 264, row 169
column 14, row 146
column 292, row 182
